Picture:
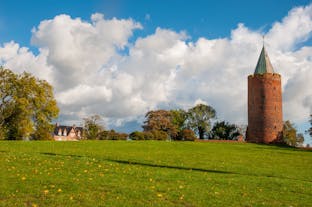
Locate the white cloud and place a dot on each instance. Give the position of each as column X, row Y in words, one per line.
column 21, row 59
column 77, row 49
column 295, row 28
column 91, row 74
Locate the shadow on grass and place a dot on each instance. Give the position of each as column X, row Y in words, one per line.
column 129, row 162
column 54, row 154
column 281, row 147
column 145, row 164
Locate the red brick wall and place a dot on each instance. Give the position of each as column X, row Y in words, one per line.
column 265, row 116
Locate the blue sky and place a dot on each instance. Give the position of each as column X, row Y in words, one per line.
column 158, row 54
column 211, row 19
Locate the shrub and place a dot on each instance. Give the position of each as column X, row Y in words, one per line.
column 186, row 135
column 159, row 135
column 148, row 135
column 112, row 135
column 137, row 135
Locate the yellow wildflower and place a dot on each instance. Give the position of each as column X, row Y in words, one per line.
column 159, row 195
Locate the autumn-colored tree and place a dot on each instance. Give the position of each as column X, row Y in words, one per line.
column 7, row 102
column 186, row 135
column 160, row 120
column 290, row 135
column 27, row 106
column 224, row 131
column 199, row 119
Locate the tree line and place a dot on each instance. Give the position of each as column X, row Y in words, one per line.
column 177, row 125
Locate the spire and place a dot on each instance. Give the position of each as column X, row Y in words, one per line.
column 264, row 65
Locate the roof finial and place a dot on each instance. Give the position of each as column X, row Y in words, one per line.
column 263, row 36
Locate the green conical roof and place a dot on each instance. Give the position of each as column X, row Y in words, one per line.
column 264, row 65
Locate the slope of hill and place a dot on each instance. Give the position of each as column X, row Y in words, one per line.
column 151, row 173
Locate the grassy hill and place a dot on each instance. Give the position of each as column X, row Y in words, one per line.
column 151, row 173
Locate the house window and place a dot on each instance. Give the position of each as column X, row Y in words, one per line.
column 60, row 132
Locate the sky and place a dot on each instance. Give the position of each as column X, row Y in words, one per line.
column 120, row 59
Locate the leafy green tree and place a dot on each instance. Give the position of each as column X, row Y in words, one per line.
column 224, row 131
column 27, row 106
column 199, row 119
column 290, row 135
column 179, row 117
column 92, row 129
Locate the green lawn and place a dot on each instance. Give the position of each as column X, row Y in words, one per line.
column 151, row 173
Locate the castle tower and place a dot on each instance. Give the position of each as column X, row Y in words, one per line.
column 265, row 117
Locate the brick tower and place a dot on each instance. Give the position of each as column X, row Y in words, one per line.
column 265, row 117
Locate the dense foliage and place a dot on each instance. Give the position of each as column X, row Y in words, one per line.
column 199, row 119
column 224, row 131
column 186, row 135
column 290, row 135
column 179, row 124
column 149, row 135
column 112, row 135
column 160, row 120
column 27, row 106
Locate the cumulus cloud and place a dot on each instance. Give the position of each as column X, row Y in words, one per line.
column 96, row 70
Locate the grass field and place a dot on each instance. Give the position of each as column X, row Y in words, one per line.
column 151, row 173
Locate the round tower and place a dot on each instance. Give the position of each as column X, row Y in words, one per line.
column 265, row 116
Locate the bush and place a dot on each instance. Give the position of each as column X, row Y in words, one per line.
column 112, row 135
column 148, row 135
column 224, row 131
column 137, row 135
column 186, row 135
column 159, row 135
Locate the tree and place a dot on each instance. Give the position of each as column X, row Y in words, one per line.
column 199, row 118
column 27, row 106
column 290, row 135
column 179, row 117
column 92, row 128
column 160, row 120
column 224, row 131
